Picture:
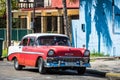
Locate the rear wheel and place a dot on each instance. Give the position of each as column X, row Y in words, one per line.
column 41, row 68
column 16, row 65
column 81, row 70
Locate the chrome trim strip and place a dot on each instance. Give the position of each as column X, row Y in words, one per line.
column 68, row 57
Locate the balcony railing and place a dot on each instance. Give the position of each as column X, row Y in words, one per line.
column 25, row 5
column 30, row 4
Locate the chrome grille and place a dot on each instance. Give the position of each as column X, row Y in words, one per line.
column 66, row 59
column 69, row 59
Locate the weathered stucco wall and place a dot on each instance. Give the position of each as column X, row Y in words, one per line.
column 98, row 27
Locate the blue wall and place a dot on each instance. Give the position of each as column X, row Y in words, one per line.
column 98, row 27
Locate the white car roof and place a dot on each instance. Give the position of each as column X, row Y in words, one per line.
column 45, row 34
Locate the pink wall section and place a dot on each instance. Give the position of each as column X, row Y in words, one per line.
column 58, row 4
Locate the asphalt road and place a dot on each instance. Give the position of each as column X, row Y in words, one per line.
column 7, row 72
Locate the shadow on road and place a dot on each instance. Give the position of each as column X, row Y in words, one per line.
column 61, row 72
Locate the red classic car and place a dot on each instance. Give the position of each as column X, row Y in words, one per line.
column 48, row 51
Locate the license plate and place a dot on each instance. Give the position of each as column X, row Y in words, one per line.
column 70, row 64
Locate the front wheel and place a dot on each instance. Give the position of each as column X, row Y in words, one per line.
column 41, row 68
column 81, row 70
column 16, row 65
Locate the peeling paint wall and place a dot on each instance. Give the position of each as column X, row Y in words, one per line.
column 98, row 27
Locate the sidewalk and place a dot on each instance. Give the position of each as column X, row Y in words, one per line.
column 106, row 67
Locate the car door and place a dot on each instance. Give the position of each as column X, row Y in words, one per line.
column 22, row 47
column 30, row 57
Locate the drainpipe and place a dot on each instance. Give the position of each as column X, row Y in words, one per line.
column 113, row 16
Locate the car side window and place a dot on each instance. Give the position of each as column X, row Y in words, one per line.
column 36, row 42
column 31, row 41
column 24, row 42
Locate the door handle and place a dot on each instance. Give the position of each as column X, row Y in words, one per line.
column 19, row 47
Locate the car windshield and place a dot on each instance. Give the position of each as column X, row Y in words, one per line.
column 54, row 40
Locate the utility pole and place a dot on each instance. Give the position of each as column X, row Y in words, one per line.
column 34, row 5
column 65, row 17
column 9, row 22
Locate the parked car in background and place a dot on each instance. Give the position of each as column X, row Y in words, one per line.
column 48, row 51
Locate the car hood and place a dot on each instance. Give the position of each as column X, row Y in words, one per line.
column 67, row 51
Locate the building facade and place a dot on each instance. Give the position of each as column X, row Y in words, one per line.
column 48, row 15
column 98, row 27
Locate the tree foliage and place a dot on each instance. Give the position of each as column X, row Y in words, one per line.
column 14, row 4
column 3, row 6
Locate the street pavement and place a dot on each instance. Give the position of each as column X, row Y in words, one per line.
column 106, row 66
column 7, row 72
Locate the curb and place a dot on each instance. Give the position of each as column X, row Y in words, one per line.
column 113, row 76
column 104, row 58
column 100, row 73
column 109, row 75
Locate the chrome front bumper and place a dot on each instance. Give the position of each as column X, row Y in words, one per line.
column 52, row 62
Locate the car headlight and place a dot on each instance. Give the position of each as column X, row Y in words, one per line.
column 87, row 53
column 51, row 53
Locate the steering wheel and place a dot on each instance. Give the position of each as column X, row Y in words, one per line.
column 61, row 43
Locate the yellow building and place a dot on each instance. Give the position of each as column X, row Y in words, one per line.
column 48, row 17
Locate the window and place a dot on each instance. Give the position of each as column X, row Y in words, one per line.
column 83, row 27
column 54, row 40
column 31, row 41
column 40, row 3
column 24, row 42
